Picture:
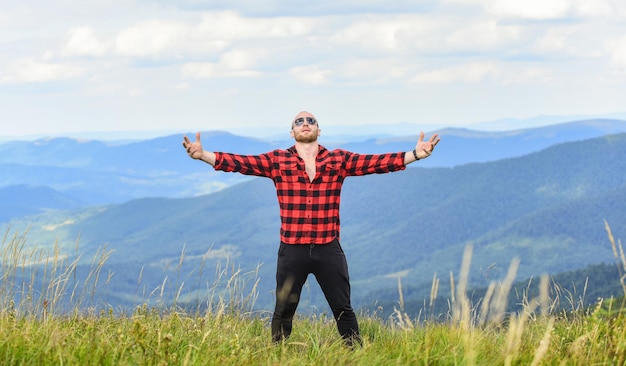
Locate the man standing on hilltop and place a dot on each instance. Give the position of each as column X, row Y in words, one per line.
column 308, row 180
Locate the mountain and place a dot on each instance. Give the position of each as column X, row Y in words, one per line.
column 463, row 146
column 23, row 200
column 97, row 173
column 547, row 208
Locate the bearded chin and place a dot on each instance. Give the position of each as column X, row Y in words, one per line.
column 306, row 138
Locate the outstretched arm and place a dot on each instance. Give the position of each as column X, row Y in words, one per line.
column 195, row 150
column 423, row 149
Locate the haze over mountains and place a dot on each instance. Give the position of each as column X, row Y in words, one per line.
column 539, row 194
column 68, row 173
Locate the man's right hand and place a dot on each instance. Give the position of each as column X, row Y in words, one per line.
column 194, row 149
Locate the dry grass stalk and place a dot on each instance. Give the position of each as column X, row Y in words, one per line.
column 434, row 290
column 620, row 257
column 544, row 345
column 402, row 319
column 461, row 310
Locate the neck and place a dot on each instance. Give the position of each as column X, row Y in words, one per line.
column 307, row 149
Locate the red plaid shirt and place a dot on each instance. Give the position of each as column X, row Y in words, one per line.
column 309, row 210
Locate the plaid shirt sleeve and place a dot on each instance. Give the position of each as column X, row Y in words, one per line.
column 362, row 164
column 259, row 165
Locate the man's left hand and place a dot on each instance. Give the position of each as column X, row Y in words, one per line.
column 425, row 148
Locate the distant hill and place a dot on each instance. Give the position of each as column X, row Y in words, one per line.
column 463, row 146
column 547, row 208
column 97, row 172
column 23, row 200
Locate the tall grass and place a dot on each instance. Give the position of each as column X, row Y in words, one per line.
column 36, row 282
column 46, row 319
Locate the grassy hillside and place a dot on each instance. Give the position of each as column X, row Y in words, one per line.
column 39, row 327
column 152, row 337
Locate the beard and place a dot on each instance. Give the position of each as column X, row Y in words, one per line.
column 312, row 137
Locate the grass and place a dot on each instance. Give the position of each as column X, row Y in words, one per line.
column 43, row 321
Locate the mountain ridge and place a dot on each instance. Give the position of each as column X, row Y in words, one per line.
column 97, row 173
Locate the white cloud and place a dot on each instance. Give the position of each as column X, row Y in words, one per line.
column 597, row 7
column 157, row 49
column 152, row 38
column 32, row 71
column 205, row 70
column 552, row 9
column 242, row 59
column 579, row 41
column 84, row 42
column 468, row 73
column 215, row 32
column 618, row 52
column 311, row 74
column 386, row 33
column 235, row 63
column 199, row 70
column 230, row 26
column 530, row 9
column 373, row 71
column 529, row 75
column 417, row 34
column 106, row 89
column 482, row 35
column 14, row 16
column 567, row 41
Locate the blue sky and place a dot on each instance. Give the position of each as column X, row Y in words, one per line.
column 249, row 66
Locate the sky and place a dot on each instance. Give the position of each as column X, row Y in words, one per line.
column 75, row 66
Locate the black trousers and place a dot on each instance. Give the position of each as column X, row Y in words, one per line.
column 328, row 263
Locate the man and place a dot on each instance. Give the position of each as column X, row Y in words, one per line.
column 308, row 180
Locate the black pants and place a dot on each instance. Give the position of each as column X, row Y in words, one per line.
column 328, row 263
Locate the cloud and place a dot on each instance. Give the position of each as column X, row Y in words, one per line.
column 364, row 71
column 207, row 37
column 415, row 35
column 468, row 73
column 153, row 38
column 153, row 47
column 483, row 35
column 528, row 75
column 243, row 59
column 270, row 8
column 311, row 74
column 199, row 70
column 598, row 7
column 618, row 53
column 32, row 71
column 346, row 48
column 230, row 26
column 235, row 63
column 386, row 33
column 530, row 9
column 552, row 9
column 83, row 42
column 205, row 70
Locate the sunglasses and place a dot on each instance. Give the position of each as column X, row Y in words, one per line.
column 309, row 120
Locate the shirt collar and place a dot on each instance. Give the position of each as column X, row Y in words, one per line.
column 322, row 150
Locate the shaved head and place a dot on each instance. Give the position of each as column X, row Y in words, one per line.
column 302, row 114
column 305, row 132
